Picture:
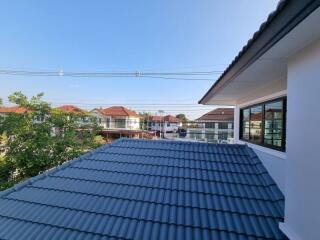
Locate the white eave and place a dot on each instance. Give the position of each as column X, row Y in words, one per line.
column 267, row 74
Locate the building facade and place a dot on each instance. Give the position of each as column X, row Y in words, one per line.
column 274, row 86
column 215, row 126
column 117, row 117
column 166, row 124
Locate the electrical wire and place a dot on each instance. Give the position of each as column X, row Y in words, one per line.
column 193, row 76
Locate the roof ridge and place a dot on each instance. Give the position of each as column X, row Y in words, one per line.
column 266, row 178
column 125, row 110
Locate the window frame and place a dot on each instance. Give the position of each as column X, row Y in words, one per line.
column 282, row 148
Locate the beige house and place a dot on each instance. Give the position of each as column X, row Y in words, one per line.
column 117, row 117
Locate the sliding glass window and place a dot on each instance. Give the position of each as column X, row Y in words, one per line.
column 245, row 120
column 264, row 124
column 256, row 124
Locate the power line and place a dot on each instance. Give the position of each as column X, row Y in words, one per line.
column 138, row 107
column 193, row 76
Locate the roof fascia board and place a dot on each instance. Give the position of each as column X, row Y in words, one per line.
column 278, row 25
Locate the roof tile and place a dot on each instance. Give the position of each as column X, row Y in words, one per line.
column 138, row 189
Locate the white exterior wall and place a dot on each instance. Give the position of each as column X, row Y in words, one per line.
column 108, row 122
column 133, row 123
column 273, row 160
column 164, row 126
column 302, row 206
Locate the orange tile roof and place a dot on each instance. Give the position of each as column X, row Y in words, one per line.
column 118, row 111
column 167, row 118
column 16, row 109
column 173, row 119
column 155, row 118
column 71, row 108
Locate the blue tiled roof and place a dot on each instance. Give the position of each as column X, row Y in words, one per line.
column 140, row 189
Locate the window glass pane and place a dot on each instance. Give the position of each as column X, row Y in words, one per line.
column 210, row 136
column 209, row 125
column 273, row 129
column 256, row 124
column 120, row 123
column 223, row 125
column 245, row 124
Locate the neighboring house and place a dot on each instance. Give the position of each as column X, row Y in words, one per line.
column 83, row 117
column 4, row 111
column 274, row 84
column 166, row 124
column 137, row 189
column 140, row 189
column 7, row 110
column 117, row 117
column 71, row 109
column 215, row 126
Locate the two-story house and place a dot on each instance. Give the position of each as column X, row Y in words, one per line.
column 117, row 117
column 82, row 116
column 215, row 126
column 165, row 124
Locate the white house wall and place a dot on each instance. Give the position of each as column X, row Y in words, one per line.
column 133, row 123
column 302, row 208
column 156, row 126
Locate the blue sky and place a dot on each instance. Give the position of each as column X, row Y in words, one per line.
column 123, row 35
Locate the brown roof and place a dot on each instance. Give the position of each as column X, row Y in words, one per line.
column 219, row 114
column 167, row 118
column 173, row 119
column 155, row 118
column 118, row 111
column 16, row 109
column 71, row 108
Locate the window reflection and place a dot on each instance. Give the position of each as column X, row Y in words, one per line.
column 264, row 124
column 256, row 124
column 245, row 123
column 273, row 123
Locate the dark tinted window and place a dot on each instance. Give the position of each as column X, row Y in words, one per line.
column 256, row 124
column 264, row 124
column 245, row 124
column 273, row 128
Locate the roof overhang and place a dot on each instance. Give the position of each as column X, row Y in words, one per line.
column 261, row 66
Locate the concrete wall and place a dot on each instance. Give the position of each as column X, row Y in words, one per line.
column 133, row 123
column 274, row 161
column 302, row 207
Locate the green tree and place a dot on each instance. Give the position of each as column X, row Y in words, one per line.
column 42, row 138
column 182, row 117
column 144, row 120
column 1, row 102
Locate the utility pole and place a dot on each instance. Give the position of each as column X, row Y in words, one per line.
column 161, row 126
